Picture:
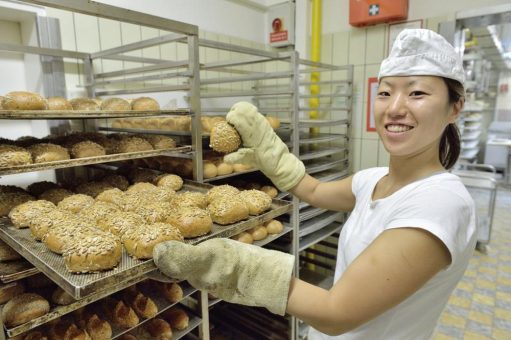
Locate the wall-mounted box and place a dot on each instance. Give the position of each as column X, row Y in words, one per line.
column 372, row 12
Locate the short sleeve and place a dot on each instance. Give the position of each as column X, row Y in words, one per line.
column 365, row 179
column 443, row 212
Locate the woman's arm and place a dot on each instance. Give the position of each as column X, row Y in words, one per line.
column 336, row 195
column 391, row 269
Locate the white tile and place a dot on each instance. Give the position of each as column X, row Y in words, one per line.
column 110, row 37
column 358, row 109
column 87, row 34
column 371, row 71
column 357, row 44
column 66, row 22
column 355, row 152
column 369, row 153
column 375, row 44
column 340, row 48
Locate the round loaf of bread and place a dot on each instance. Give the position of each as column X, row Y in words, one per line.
column 115, row 104
column 224, row 169
column 256, row 201
column 244, row 237
column 87, row 149
column 60, row 297
column 23, row 100
column 22, row 214
column 98, row 329
column 84, row 104
column 58, row 103
column 119, row 222
column 139, row 242
column 158, row 329
column 119, row 313
column 133, row 144
column 7, row 253
column 152, row 212
column 224, row 138
column 10, row 188
column 12, row 155
column 238, row 167
column 75, row 203
column 191, row 221
column 258, row 233
column 141, row 187
column 274, row 227
column 117, row 181
column 23, row 308
column 92, row 253
column 227, row 210
column 219, row 191
column 145, row 104
column 10, row 290
column 161, row 142
column 47, row 152
column 171, row 181
column 93, row 189
column 177, row 318
column 40, row 225
column 274, row 122
column 114, row 196
column 190, row 199
column 162, row 194
column 55, row 195
column 142, row 175
column 172, row 291
column 183, row 123
column 9, row 200
column 270, row 190
column 98, row 210
column 206, row 124
column 37, row 188
column 209, row 170
column 57, row 237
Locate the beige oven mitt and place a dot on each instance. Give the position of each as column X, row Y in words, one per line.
column 263, row 148
column 230, row 270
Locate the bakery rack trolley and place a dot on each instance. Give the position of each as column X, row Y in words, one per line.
column 480, row 181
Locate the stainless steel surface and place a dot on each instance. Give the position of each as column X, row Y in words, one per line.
column 230, row 63
column 310, row 212
column 158, row 76
column 236, row 48
column 313, row 238
column 319, row 166
column 328, row 67
column 246, row 94
column 322, row 152
column 69, row 163
column 253, row 76
column 80, row 114
column 142, row 69
column 213, row 179
column 43, row 51
column 272, row 237
column 158, row 132
column 318, row 122
column 143, row 90
column 318, row 223
column 16, row 270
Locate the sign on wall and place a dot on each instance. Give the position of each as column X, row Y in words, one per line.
column 281, row 21
column 372, row 89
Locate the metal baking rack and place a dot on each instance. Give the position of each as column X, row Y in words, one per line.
column 148, row 131
column 16, row 270
column 71, row 163
column 85, row 114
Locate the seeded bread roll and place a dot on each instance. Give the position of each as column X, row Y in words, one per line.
column 118, row 223
column 40, row 225
column 224, row 138
column 139, row 242
column 92, row 253
column 22, row 214
column 75, row 203
column 117, row 181
column 145, row 104
column 23, row 308
column 114, row 196
column 87, row 149
column 171, row 181
column 183, row 123
column 60, row 297
column 158, row 329
column 133, row 144
column 84, row 104
column 23, row 100
column 244, row 237
column 7, row 253
column 37, row 188
column 10, row 188
column 57, row 237
column 141, row 187
column 55, row 195
column 190, row 199
column 152, row 212
column 160, row 141
column 9, row 200
column 12, row 155
column 270, row 190
column 120, row 314
column 258, row 233
column 219, row 191
column 171, row 290
column 274, row 227
column 191, row 221
column 47, row 152
column 142, row 175
column 256, row 201
column 115, row 104
column 59, row 103
column 177, row 318
column 227, row 210
column 10, row 290
column 93, row 189
column 99, row 210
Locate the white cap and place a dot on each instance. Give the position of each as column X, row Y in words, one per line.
column 422, row 52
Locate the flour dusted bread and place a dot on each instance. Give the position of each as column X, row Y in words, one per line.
column 256, row 201
column 191, row 221
column 87, row 149
column 75, row 203
column 144, row 104
column 139, row 242
column 209, row 170
column 133, row 144
column 84, row 104
column 22, row 214
column 60, row 297
column 58, row 104
column 48, row 152
column 224, row 138
column 23, row 308
column 227, row 210
column 23, row 100
column 12, row 155
column 115, row 104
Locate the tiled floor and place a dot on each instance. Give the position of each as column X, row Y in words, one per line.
column 480, row 307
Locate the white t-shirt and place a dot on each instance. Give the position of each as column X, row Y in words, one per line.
column 439, row 204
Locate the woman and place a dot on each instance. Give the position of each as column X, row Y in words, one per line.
column 411, row 231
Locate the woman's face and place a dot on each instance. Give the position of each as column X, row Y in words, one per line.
column 411, row 114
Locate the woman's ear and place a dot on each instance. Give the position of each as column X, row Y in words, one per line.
column 456, row 110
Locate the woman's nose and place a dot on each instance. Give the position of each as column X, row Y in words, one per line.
column 397, row 105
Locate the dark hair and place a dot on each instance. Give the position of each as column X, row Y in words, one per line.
column 450, row 143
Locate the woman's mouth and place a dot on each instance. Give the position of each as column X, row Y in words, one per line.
column 396, row 128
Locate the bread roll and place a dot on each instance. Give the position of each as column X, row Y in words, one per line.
column 140, row 187
column 10, row 290
column 161, row 142
column 209, row 170
column 114, row 196
column 63, row 330
column 47, row 152
column 55, row 195
column 26, row 141
column 172, row 291
column 142, row 305
column 145, row 104
column 12, row 155
column 158, row 329
column 59, row 236
column 9, row 200
column 127, row 336
column 256, row 201
column 191, row 221
column 10, row 188
column 142, row 175
column 40, row 224
column 139, row 242
column 98, row 329
column 23, row 100
column 224, row 169
column 98, row 211
column 177, row 318
column 59, row 103
column 183, row 123
column 133, row 144
column 93, row 189
column 219, row 191
column 115, row 104
column 274, row 122
column 87, row 149
column 244, row 237
column 23, row 308
column 171, row 181
column 152, row 212
column 37, row 188
column 22, row 214
column 117, row 181
column 274, row 227
column 224, row 138
column 270, row 190
column 92, row 253
column 258, row 233
column 190, row 199
column 227, row 210
column 7, row 253
column 34, row 335
column 84, row 104
column 60, row 297
column 75, row 203
column 238, row 167
column 119, row 313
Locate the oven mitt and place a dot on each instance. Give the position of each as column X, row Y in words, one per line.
column 230, row 270
column 263, row 148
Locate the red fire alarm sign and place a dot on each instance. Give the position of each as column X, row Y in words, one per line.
column 371, row 12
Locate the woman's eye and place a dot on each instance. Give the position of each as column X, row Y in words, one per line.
column 383, row 94
column 417, row 93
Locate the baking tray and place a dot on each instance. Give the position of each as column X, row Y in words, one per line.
column 80, row 114
column 68, row 163
column 81, row 285
column 152, row 131
column 16, row 270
